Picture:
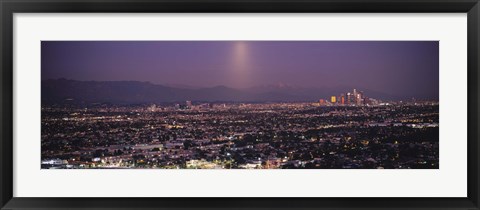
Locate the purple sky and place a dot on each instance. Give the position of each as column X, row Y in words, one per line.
column 394, row 67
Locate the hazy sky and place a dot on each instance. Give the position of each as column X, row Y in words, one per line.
column 394, row 67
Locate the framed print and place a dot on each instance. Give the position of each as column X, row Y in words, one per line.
column 239, row 105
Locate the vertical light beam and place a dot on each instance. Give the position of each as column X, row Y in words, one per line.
column 240, row 64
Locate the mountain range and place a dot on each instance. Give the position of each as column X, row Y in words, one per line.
column 58, row 91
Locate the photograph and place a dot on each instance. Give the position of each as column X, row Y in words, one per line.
column 240, row 104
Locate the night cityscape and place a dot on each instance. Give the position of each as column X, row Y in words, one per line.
column 108, row 119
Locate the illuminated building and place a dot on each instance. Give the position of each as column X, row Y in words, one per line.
column 342, row 99
column 359, row 98
column 355, row 96
column 189, row 103
column 153, row 108
column 333, row 99
column 321, row 102
column 366, row 100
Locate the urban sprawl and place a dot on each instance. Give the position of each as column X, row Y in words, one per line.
column 348, row 131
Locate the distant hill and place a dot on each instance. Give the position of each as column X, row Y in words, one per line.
column 133, row 92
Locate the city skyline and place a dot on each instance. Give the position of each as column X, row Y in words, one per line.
column 407, row 68
column 239, row 105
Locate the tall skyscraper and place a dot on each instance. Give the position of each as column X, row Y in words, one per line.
column 360, row 98
column 333, row 99
column 355, row 96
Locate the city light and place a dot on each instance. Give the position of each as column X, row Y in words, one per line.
column 285, row 135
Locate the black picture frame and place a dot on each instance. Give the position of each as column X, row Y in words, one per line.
column 9, row 7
